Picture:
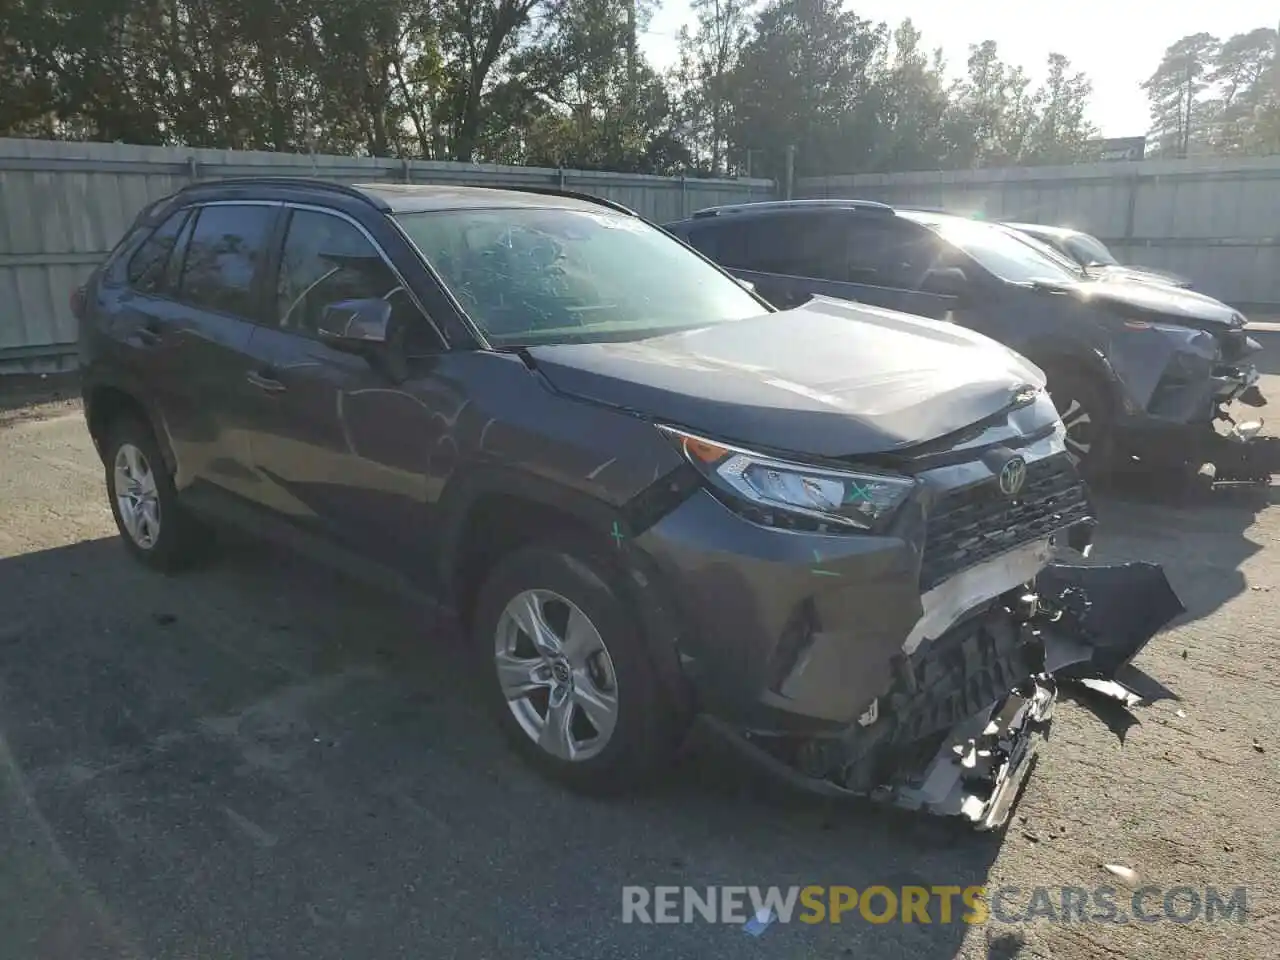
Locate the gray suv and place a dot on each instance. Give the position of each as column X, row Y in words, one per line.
column 648, row 494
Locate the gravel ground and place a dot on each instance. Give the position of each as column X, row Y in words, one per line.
column 259, row 759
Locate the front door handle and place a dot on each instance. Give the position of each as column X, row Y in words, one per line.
column 262, row 382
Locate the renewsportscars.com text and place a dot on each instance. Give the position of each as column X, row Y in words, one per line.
column 943, row 904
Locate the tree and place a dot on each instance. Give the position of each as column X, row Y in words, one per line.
column 992, row 111
column 799, row 83
column 708, row 57
column 554, row 82
column 910, row 105
column 1242, row 72
column 578, row 94
column 1179, row 120
column 476, row 35
column 1060, row 132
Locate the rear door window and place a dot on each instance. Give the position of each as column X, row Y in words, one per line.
column 886, row 252
column 148, row 270
column 799, row 244
column 226, row 256
column 704, row 238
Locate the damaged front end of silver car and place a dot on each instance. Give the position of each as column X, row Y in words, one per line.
column 955, row 733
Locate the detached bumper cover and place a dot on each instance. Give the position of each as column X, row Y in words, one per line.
column 955, row 733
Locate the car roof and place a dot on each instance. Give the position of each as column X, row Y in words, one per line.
column 930, row 217
column 420, row 197
column 758, row 208
column 392, row 198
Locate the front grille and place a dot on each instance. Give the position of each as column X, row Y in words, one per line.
column 978, row 522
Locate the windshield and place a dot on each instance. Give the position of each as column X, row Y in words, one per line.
column 1046, row 249
column 1009, row 257
column 553, row 275
column 1089, row 250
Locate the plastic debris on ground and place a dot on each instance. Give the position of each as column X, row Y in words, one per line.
column 760, row 922
column 1126, row 875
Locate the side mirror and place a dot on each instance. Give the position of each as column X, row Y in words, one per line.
column 946, row 282
column 356, row 325
column 746, row 285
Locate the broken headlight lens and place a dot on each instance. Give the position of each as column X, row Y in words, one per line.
column 779, row 493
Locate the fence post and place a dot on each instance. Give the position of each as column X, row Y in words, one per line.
column 406, row 170
column 1135, row 180
column 684, row 196
column 791, row 172
column 560, row 179
column 193, row 167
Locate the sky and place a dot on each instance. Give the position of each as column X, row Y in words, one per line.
column 1117, row 43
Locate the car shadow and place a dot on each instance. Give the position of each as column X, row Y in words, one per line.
column 260, row 752
column 1203, row 544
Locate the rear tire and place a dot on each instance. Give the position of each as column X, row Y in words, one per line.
column 1087, row 418
column 156, row 529
column 582, row 702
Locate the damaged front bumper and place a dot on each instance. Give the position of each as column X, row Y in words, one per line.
column 955, row 733
column 914, row 666
column 1174, row 386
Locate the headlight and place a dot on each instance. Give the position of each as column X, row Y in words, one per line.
column 778, row 493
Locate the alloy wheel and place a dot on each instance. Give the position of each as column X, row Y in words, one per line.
column 1080, row 430
column 556, row 675
column 137, row 497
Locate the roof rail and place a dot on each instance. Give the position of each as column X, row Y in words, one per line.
column 866, row 206
column 572, row 195
column 312, row 183
column 960, row 214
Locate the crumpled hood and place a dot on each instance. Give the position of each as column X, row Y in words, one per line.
column 1123, row 272
column 827, row 379
column 1155, row 301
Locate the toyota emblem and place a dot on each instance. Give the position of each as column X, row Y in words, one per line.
column 1012, row 476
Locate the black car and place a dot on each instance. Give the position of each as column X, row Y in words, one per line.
column 1092, row 255
column 1137, row 370
column 647, row 494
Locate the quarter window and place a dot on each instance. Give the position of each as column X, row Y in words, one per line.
column 227, row 250
column 148, row 267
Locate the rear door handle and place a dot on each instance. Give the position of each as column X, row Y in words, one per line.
column 263, row 382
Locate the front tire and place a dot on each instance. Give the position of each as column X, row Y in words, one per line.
column 572, row 682
column 156, row 529
column 1087, row 418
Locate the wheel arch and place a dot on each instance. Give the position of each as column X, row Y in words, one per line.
column 489, row 513
column 1089, row 365
column 106, row 403
column 494, row 513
